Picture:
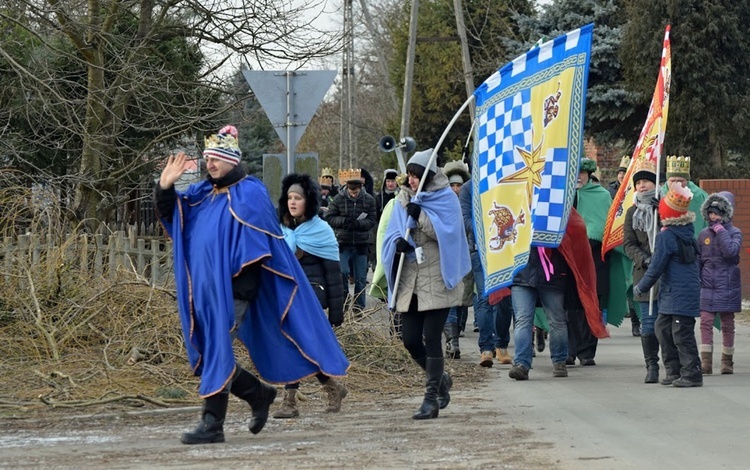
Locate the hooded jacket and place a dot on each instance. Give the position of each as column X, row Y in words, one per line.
column 323, row 274
column 383, row 197
column 719, row 258
column 675, row 265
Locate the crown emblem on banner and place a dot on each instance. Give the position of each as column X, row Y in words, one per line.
column 348, row 175
column 678, row 166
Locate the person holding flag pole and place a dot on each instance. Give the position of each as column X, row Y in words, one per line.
column 425, row 257
column 633, row 220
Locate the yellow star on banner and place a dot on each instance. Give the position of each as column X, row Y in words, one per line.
column 531, row 173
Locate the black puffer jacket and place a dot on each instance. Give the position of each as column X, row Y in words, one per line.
column 343, row 212
column 323, row 274
column 533, row 274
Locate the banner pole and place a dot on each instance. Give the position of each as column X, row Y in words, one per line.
column 392, row 303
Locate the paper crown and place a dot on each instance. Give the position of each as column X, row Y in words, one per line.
column 224, row 145
column 326, row 177
column 351, row 174
column 678, row 167
column 644, row 169
column 624, row 163
column 676, row 203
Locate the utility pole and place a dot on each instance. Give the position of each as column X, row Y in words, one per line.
column 409, row 72
column 465, row 58
column 346, row 139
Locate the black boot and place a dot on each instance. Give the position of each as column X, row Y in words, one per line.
column 258, row 395
column 211, row 427
column 650, row 346
column 434, row 372
column 444, row 397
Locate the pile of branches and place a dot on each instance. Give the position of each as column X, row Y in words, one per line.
column 70, row 338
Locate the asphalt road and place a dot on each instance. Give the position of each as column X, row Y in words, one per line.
column 605, row 417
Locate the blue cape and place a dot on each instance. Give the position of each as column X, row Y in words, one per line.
column 217, row 232
column 444, row 211
column 313, row 236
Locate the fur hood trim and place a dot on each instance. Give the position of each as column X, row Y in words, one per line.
column 312, row 195
column 723, row 201
column 688, row 218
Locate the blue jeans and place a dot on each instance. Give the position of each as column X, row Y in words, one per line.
column 453, row 315
column 524, row 302
column 360, row 273
column 648, row 321
column 484, row 313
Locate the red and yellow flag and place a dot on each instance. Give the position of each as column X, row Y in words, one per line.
column 649, row 146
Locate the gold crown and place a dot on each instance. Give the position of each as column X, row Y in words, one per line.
column 326, row 177
column 225, row 141
column 625, row 161
column 678, row 198
column 644, row 164
column 678, row 166
column 348, row 175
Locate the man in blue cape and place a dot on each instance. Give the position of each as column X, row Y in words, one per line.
column 237, row 278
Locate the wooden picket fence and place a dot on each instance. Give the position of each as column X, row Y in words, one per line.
column 95, row 255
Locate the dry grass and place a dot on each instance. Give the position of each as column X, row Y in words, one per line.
column 72, row 339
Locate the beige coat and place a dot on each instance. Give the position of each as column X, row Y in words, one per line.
column 425, row 280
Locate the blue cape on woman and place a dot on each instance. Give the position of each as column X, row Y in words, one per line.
column 215, row 233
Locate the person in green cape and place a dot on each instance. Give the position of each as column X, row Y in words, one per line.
column 678, row 171
column 593, row 202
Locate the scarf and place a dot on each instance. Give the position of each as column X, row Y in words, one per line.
column 313, row 236
column 444, row 212
column 643, row 216
column 593, row 205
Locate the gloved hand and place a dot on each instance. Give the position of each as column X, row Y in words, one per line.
column 718, row 228
column 402, row 246
column 636, row 291
column 413, row 210
column 655, row 203
column 352, row 224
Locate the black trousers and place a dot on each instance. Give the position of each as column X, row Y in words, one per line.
column 423, row 331
column 679, row 351
column 581, row 341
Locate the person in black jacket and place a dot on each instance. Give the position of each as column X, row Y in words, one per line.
column 543, row 280
column 352, row 215
column 314, row 245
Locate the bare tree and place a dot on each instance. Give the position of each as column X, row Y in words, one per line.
column 100, row 88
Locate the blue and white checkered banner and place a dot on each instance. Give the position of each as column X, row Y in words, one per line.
column 528, row 143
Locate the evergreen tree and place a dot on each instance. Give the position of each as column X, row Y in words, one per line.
column 614, row 114
column 709, row 88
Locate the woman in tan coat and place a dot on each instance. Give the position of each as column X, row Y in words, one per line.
column 436, row 258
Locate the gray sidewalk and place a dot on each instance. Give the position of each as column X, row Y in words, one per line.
column 604, row 416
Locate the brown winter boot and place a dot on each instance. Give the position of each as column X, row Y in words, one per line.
column 727, row 366
column 706, row 359
column 336, row 392
column 288, row 406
